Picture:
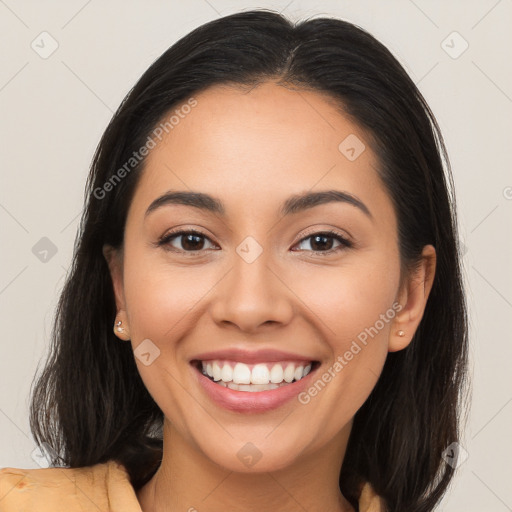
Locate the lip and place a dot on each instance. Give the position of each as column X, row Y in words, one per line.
column 252, row 402
column 252, row 356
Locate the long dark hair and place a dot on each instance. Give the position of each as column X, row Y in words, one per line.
column 89, row 403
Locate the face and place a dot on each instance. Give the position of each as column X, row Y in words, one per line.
column 258, row 288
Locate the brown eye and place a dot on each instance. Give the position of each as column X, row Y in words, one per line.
column 323, row 242
column 185, row 241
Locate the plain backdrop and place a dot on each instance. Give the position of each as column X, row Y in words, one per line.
column 66, row 66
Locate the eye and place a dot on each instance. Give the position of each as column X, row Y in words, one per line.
column 194, row 241
column 322, row 242
column 190, row 241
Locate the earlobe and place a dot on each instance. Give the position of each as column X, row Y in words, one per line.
column 120, row 331
column 413, row 299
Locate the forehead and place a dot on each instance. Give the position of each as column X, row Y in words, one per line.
column 254, row 147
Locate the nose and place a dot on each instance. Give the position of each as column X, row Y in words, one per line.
column 253, row 295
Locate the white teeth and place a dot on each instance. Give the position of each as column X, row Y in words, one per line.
column 216, row 371
column 276, row 374
column 250, row 387
column 289, row 373
column 241, row 374
column 227, row 373
column 262, row 374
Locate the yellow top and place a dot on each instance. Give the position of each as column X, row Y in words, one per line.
column 102, row 487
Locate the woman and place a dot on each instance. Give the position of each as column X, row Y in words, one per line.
column 265, row 308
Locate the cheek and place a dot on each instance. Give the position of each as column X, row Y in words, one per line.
column 354, row 306
column 162, row 303
column 357, row 305
column 354, row 311
column 351, row 298
column 159, row 296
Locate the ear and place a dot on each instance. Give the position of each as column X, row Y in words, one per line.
column 413, row 297
column 114, row 259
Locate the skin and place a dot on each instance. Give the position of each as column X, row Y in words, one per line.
column 252, row 150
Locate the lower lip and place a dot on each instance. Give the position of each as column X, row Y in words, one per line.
column 252, row 402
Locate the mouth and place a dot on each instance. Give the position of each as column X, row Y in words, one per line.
column 255, row 378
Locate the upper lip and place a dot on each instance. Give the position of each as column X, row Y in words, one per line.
column 251, row 356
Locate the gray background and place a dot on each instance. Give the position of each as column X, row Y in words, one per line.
column 55, row 107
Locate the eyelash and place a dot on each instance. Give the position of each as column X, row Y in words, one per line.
column 344, row 243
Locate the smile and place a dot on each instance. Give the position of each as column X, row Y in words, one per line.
column 254, row 377
column 253, row 388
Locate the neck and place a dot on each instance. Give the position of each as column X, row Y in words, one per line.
column 187, row 480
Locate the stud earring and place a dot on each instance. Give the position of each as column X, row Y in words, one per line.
column 401, row 333
column 121, row 332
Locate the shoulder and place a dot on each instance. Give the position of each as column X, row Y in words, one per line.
column 63, row 489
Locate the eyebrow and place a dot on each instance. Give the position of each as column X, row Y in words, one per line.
column 294, row 204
